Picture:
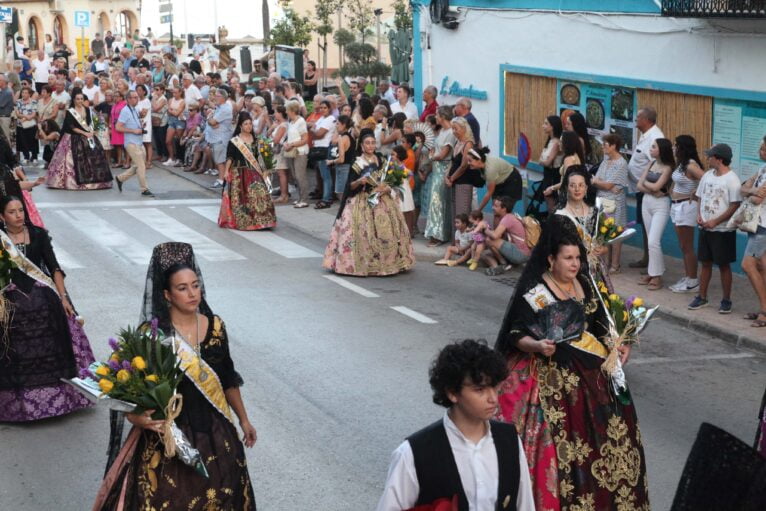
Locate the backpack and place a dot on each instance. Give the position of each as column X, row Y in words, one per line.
column 532, row 229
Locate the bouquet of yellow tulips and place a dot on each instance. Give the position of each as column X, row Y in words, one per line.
column 266, row 153
column 140, row 370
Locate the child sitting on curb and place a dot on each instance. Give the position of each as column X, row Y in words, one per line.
column 477, row 236
column 462, row 245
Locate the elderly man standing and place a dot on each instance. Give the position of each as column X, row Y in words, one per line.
column 129, row 123
column 646, row 122
column 385, row 92
column 90, row 87
column 403, row 103
column 62, row 99
column 6, row 107
column 192, row 95
column 41, row 68
column 139, row 60
column 219, row 131
column 463, row 109
column 429, row 97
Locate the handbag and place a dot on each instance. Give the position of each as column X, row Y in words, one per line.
column 746, row 217
column 317, row 154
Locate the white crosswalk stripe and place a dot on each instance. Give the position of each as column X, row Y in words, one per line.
column 177, row 231
column 107, row 235
column 126, row 203
column 65, row 259
column 265, row 239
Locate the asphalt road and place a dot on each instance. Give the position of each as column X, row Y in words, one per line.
column 335, row 378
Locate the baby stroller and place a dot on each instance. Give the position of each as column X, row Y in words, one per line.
column 537, row 207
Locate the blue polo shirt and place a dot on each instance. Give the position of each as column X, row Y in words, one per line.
column 129, row 117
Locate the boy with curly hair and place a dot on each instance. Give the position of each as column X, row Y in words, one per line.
column 465, row 458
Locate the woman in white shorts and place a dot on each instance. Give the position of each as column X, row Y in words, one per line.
column 755, row 251
column 684, row 208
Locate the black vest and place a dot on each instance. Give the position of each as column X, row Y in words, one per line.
column 437, row 472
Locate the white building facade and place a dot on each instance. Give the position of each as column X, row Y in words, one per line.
column 521, row 60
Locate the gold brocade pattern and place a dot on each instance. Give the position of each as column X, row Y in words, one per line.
column 619, row 460
column 584, row 503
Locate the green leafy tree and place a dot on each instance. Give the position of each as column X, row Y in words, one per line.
column 324, row 9
column 362, row 60
column 343, row 38
column 360, row 16
column 402, row 14
column 292, row 30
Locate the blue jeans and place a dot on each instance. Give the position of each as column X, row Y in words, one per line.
column 327, row 184
column 341, row 176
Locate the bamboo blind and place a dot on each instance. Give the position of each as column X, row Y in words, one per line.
column 528, row 101
column 681, row 114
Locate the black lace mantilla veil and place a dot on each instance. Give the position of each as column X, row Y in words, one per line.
column 554, row 231
column 164, row 256
column 154, row 305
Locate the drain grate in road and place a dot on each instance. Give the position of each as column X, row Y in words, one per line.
column 506, row 281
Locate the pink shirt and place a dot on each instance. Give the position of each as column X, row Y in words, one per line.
column 515, row 229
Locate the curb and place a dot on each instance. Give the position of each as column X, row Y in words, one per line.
column 426, row 255
column 739, row 341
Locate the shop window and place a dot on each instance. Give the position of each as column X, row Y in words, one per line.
column 528, row 101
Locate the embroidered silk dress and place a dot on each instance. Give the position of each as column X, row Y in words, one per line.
column 246, row 202
column 76, row 165
column 582, row 444
column 438, row 195
column 43, row 345
column 143, row 478
column 368, row 239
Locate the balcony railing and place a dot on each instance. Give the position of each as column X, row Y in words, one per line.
column 749, row 9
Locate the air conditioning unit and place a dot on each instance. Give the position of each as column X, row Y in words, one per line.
column 442, row 13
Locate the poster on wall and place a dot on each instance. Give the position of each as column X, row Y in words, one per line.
column 741, row 125
column 606, row 108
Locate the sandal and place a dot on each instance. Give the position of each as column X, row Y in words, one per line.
column 322, row 205
column 281, row 200
column 644, row 281
column 654, row 284
column 759, row 323
column 614, row 270
column 434, row 243
column 752, row 316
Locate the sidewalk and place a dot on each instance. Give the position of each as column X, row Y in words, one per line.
column 730, row 328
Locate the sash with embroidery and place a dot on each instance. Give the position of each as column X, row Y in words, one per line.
column 202, row 375
column 83, row 124
column 248, row 154
column 25, row 265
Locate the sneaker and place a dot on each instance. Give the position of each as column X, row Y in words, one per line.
column 451, row 264
column 725, row 307
column 441, row 262
column 692, row 285
column 168, row 162
column 697, row 303
column 301, row 205
column 218, row 184
column 147, row 193
column 679, row 287
column 473, row 265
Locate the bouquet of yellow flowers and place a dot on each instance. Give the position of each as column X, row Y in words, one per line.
column 140, row 370
column 626, row 319
column 266, row 153
column 395, row 173
column 142, row 374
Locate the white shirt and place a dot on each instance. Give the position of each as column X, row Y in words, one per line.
column 295, row 130
column 410, row 110
column 90, row 92
column 389, row 96
column 476, row 464
column 327, row 123
column 716, row 193
column 640, row 158
column 192, row 95
column 42, row 70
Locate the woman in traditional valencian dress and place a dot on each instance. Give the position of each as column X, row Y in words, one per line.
column 577, row 204
column 142, row 477
column 246, row 203
column 582, row 442
column 13, row 182
column 43, row 342
column 369, row 237
column 79, row 162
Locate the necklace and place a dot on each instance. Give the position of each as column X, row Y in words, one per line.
column 582, row 207
column 187, row 337
column 570, row 293
column 21, row 244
